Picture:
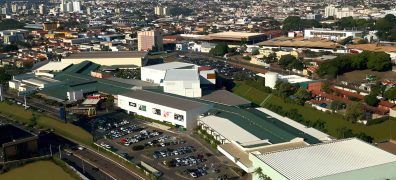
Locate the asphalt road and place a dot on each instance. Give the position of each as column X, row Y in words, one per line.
column 112, row 169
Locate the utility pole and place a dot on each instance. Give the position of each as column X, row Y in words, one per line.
column 82, row 162
column 1, row 93
column 50, row 150
column 24, row 98
column 60, row 152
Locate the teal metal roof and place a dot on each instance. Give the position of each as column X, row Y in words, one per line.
column 77, row 78
column 257, row 123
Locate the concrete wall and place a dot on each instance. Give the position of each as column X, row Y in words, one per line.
column 108, row 61
column 152, row 75
column 183, row 88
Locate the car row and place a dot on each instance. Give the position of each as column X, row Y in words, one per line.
column 122, row 131
column 173, row 152
column 198, row 172
column 186, row 161
column 143, row 134
column 165, row 141
column 105, row 125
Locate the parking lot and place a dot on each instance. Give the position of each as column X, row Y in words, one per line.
column 174, row 154
column 227, row 70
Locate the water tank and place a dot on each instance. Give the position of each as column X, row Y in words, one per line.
column 270, row 79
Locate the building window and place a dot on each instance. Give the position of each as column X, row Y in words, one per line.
column 179, row 117
column 142, row 107
column 157, row 111
column 132, row 104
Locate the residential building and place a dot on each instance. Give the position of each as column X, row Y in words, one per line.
column 149, row 40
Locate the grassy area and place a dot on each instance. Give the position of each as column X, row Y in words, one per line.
column 24, row 116
column 333, row 121
column 43, row 170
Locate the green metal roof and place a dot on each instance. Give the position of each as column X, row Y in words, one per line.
column 257, row 123
column 76, row 78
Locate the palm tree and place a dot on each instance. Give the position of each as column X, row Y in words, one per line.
column 259, row 172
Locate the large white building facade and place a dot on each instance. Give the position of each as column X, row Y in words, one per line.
column 183, row 82
column 162, row 107
column 330, row 34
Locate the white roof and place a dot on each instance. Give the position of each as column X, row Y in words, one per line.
column 181, row 75
column 171, row 65
column 91, row 101
column 293, row 78
column 229, row 130
column 326, row 159
column 53, row 66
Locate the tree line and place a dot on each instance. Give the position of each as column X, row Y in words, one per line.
column 376, row 61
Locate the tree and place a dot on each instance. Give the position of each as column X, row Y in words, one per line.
column 379, row 61
column 240, row 76
column 109, row 102
column 4, row 76
column 284, row 89
column 255, row 52
column 347, row 40
column 271, row 58
column 365, row 137
column 344, row 132
column 337, row 105
column 295, row 23
column 391, row 93
column 354, row 111
column 377, row 89
column 302, row 95
column 289, row 62
column 259, row 172
column 371, row 100
column 219, row 50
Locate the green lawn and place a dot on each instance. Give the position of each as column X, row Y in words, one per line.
column 40, row 170
column 379, row 132
column 66, row 129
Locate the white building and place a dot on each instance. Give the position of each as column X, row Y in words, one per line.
column 342, row 159
column 162, row 107
column 183, row 82
column 330, row 34
column 76, row 6
column 156, row 73
column 107, row 58
column 31, row 82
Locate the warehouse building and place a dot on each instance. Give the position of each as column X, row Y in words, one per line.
column 107, row 58
column 180, row 78
column 162, row 107
column 330, row 34
column 235, row 37
column 342, row 159
column 244, row 131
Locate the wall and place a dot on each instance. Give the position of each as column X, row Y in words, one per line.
column 183, row 88
column 152, row 75
column 108, row 61
column 190, row 117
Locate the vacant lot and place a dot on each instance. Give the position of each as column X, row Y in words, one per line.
column 69, row 130
column 42, row 170
column 360, row 76
column 379, row 132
